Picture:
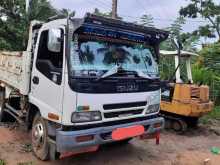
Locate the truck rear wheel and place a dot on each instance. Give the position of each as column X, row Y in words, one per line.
column 2, row 104
column 39, row 137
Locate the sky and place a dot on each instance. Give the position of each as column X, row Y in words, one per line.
column 163, row 11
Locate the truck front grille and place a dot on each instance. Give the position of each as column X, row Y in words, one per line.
column 123, row 113
column 122, row 110
column 124, row 105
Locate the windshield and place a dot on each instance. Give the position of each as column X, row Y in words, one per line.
column 91, row 57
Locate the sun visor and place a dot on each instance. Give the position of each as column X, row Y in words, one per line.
column 106, row 27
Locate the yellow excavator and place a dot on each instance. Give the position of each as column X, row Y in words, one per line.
column 183, row 103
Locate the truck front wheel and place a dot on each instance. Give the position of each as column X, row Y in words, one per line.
column 39, row 137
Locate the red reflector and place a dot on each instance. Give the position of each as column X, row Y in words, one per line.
column 84, row 138
column 124, row 133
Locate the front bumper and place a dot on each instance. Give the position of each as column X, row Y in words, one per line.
column 66, row 140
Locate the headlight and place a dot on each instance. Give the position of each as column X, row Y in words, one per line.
column 80, row 117
column 153, row 108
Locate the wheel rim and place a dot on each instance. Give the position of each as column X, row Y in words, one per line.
column 38, row 134
column 177, row 126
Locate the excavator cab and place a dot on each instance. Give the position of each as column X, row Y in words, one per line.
column 182, row 101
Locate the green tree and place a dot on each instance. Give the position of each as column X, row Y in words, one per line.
column 99, row 13
column 67, row 12
column 207, row 70
column 14, row 21
column 211, row 57
column 106, row 14
column 189, row 40
column 207, row 9
column 147, row 20
column 176, row 27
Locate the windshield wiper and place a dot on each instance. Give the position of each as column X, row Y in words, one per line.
column 110, row 72
column 116, row 68
column 143, row 75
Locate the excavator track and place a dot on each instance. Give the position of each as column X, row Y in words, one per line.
column 175, row 123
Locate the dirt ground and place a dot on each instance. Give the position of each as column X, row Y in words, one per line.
column 192, row 148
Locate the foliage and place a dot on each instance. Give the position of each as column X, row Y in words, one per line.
column 202, row 75
column 211, row 57
column 106, row 14
column 176, row 27
column 188, row 40
column 207, row 9
column 147, row 20
column 205, row 31
column 166, row 67
column 26, row 163
column 214, row 114
column 2, row 162
column 14, row 21
column 99, row 13
column 67, row 12
column 175, row 30
column 14, row 28
column 207, row 69
column 40, row 10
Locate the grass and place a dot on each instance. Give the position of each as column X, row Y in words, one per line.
column 2, row 162
column 213, row 115
column 26, row 163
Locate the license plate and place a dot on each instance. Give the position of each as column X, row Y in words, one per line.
column 128, row 132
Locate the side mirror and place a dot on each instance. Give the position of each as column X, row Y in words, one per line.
column 54, row 40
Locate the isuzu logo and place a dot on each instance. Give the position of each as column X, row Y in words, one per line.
column 128, row 87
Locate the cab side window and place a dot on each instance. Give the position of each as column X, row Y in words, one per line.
column 50, row 63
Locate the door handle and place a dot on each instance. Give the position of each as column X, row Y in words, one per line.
column 35, row 80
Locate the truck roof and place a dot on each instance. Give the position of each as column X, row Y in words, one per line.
column 149, row 32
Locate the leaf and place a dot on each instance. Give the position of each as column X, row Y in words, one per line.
column 147, row 20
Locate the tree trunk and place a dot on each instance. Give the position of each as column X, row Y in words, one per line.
column 215, row 26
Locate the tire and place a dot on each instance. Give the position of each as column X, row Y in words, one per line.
column 2, row 104
column 39, row 138
column 179, row 126
column 193, row 122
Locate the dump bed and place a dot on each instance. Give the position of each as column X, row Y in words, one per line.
column 15, row 70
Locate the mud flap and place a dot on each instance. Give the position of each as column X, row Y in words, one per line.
column 155, row 136
column 52, row 150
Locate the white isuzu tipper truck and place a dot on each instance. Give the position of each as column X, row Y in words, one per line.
column 82, row 83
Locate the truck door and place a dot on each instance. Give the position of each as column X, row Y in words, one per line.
column 47, row 72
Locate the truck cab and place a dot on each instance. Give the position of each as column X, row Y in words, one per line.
column 93, row 81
